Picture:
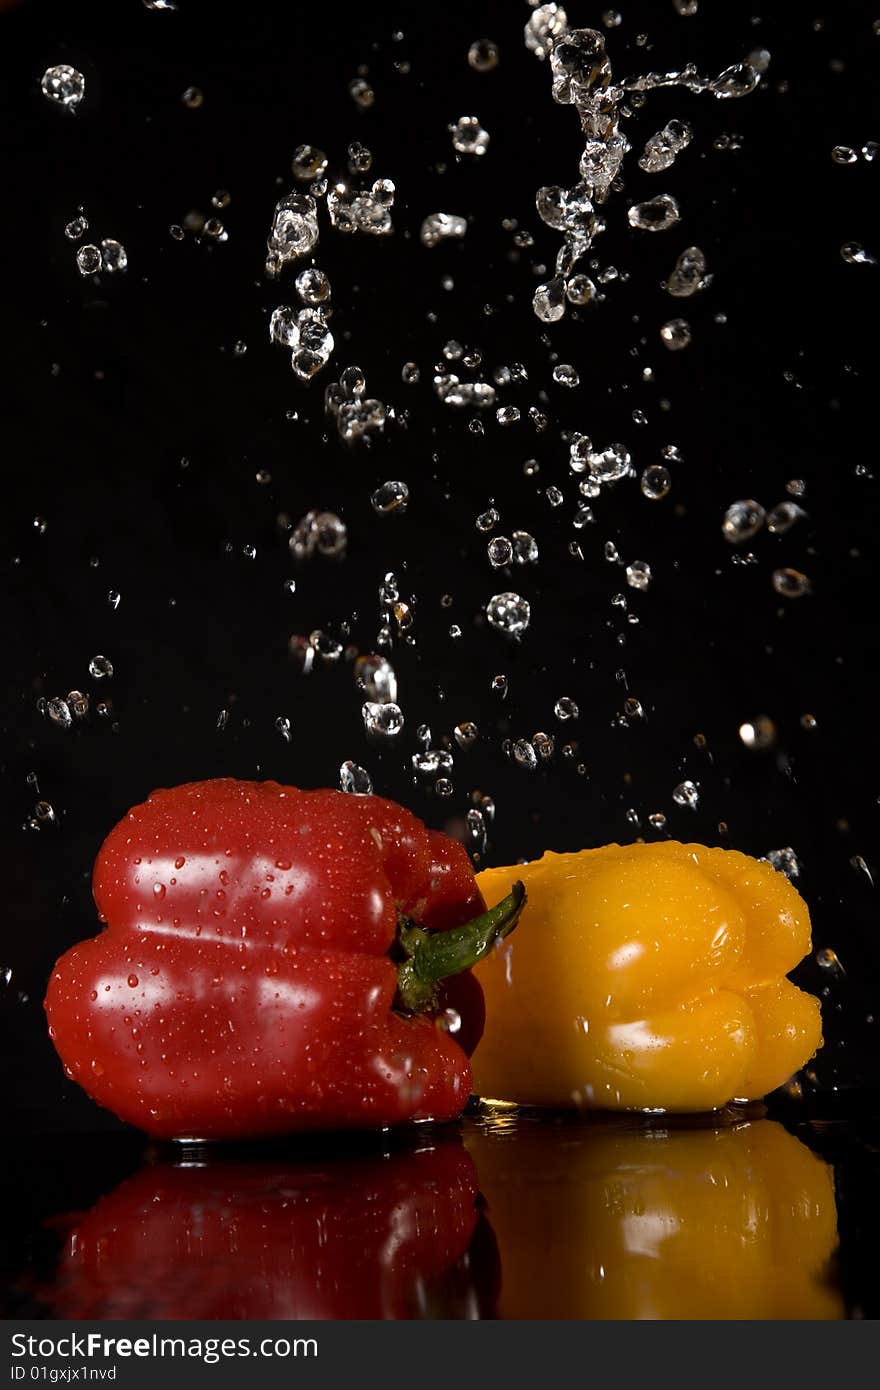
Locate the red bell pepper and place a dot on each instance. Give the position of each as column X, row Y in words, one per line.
column 368, row 1236
column 273, row 961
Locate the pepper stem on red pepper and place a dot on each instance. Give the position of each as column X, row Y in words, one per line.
column 433, row 956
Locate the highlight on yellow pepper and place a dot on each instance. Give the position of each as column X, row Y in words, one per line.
column 625, row 1223
column 648, row 977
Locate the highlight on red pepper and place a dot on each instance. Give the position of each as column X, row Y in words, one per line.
column 389, row 1235
column 276, row 960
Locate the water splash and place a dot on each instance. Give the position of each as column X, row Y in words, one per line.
column 581, row 76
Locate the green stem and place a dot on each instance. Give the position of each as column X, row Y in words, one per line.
column 434, row 956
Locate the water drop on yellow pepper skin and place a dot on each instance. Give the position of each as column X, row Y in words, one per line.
column 646, row 977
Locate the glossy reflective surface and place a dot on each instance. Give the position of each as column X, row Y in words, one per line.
column 614, row 1221
column 509, row 1215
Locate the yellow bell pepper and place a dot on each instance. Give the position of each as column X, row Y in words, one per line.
column 646, row 977
column 604, row 1220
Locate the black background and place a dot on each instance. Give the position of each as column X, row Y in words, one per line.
column 110, row 386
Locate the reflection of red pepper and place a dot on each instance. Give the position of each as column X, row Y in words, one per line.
column 262, row 971
column 358, row 1237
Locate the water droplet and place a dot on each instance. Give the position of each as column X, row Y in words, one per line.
column 76, row 228
column 193, row 98
column 784, row 860
column 442, row 226
column 742, row 520
column 676, row 334
column 88, row 260
column 133, row 982
column 500, row 552
column 686, row 794
column 294, row 231
column 486, row 520
column 656, row 215
column 324, row 646
column 322, row 533
column 313, row 343
column 360, row 159
column 312, row 286
column 58, row 711
column 545, row 24
column 282, row 327
column 689, row 274
column 844, row 154
column 524, row 548
column 736, row 81
column 375, row 676
column 384, row 721
column 566, row 375
column 655, row 482
column 758, row 734
column 662, row 149
column 580, row 290
column 466, row 734
column 549, row 300
column 509, row 613
column 63, row 85
column 101, row 668
column 483, row 55
column 790, row 583
column 390, row 497
column 609, row 465
column 579, row 65
column 524, row 754
column 858, row 863
column 354, row 779
column 308, row 163
column 78, row 703
column 829, row 960
column 356, row 417
column 114, row 257
column 638, row 575
column 782, row 517
column 431, row 761
column 565, row 709
column 468, row 136
column 544, row 745
column 361, row 93
column 855, row 254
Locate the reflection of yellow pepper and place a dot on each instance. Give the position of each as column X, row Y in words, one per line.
column 603, row 1220
column 647, row 977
